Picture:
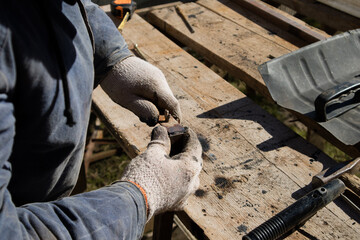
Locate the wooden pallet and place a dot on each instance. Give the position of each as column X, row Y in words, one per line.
column 254, row 166
column 235, row 39
column 323, row 13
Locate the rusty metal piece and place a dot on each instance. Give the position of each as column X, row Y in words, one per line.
column 173, row 127
column 183, row 17
column 164, row 117
column 329, row 174
column 352, row 199
column 175, row 131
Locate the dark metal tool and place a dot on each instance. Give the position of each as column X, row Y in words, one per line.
column 175, row 130
column 350, row 167
column 298, row 213
column 343, row 171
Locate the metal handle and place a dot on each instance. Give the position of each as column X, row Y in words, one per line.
column 337, row 100
column 298, row 213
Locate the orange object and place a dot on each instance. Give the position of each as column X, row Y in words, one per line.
column 119, row 8
column 144, row 194
column 122, row 1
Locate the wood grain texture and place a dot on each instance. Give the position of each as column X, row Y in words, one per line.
column 285, row 21
column 351, row 7
column 322, row 13
column 232, row 46
column 253, row 165
column 234, row 43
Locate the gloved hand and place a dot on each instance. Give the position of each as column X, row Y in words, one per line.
column 167, row 182
column 142, row 88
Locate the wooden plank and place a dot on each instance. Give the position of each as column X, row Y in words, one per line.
column 284, row 20
column 119, row 120
column 322, row 13
column 232, row 46
column 253, row 165
column 231, row 11
column 236, row 45
column 143, row 11
column 351, row 7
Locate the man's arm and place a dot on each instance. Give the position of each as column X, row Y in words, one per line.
column 118, row 210
column 130, row 81
column 110, row 46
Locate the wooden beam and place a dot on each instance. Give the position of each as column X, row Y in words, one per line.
column 322, row 13
column 163, row 226
column 351, row 7
column 283, row 20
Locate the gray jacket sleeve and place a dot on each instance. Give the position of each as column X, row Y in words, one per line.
column 110, row 46
column 114, row 212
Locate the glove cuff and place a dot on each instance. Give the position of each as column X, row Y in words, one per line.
column 144, row 194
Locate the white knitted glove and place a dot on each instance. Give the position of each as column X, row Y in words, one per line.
column 142, row 88
column 167, row 181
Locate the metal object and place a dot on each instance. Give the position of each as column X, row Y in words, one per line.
column 338, row 100
column 183, row 17
column 321, row 81
column 119, row 8
column 351, row 167
column 164, row 117
column 329, row 174
column 175, row 131
column 298, row 213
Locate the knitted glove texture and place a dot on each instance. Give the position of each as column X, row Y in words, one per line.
column 142, row 88
column 167, row 181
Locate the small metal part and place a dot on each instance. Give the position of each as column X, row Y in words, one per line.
column 175, row 131
column 164, row 117
column 173, row 127
column 183, row 17
column 138, row 52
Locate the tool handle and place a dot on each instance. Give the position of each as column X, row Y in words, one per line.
column 298, row 213
column 337, row 100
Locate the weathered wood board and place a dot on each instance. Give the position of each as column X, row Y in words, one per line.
column 253, row 165
column 324, row 14
column 235, row 44
column 230, row 45
column 351, row 7
column 283, row 20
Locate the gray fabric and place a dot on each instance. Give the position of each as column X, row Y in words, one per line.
column 40, row 155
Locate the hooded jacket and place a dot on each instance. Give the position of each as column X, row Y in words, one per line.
column 52, row 54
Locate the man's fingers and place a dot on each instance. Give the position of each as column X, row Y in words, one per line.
column 191, row 153
column 145, row 110
column 160, row 138
column 169, row 102
column 192, row 145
